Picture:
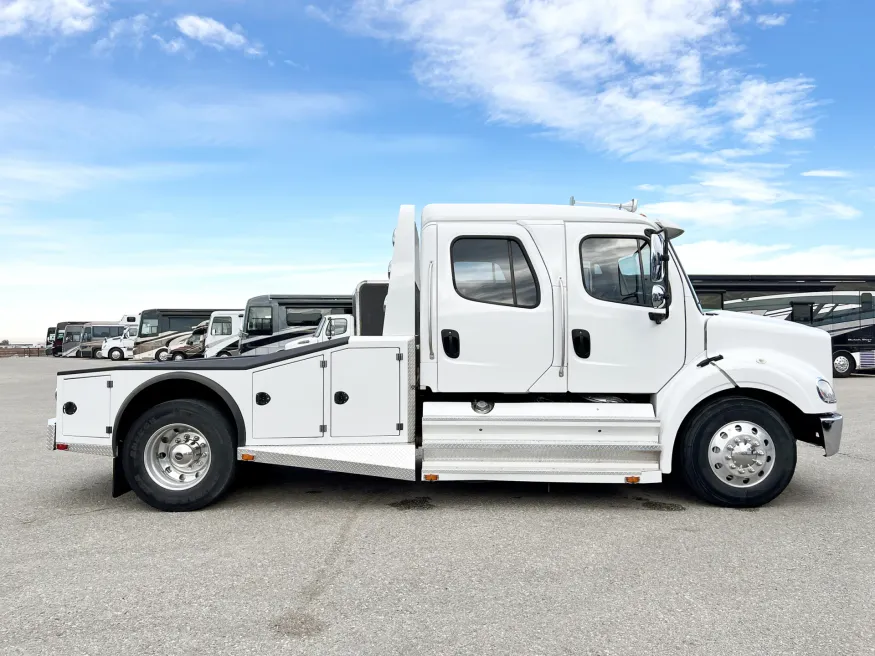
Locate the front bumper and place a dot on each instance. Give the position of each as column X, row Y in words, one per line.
column 831, row 429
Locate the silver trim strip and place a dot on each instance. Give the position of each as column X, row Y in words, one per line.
column 562, row 328
column 430, row 305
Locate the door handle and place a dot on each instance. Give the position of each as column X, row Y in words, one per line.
column 581, row 343
column 452, row 347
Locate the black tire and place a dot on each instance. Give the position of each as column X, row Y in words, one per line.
column 178, row 356
column 224, row 354
column 223, row 458
column 160, row 352
column 116, row 355
column 695, row 465
column 852, row 364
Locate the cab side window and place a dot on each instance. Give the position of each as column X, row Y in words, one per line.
column 616, row 269
column 494, row 270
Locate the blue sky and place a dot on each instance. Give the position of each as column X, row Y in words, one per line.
column 198, row 153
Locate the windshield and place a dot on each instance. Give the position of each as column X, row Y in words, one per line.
column 259, row 321
column 150, row 327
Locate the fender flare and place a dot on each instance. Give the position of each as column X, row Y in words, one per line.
column 183, row 375
column 693, row 384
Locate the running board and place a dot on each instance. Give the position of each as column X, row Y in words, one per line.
column 559, row 442
column 383, row 460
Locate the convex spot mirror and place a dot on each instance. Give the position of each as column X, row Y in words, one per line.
column 657, row 259
column 657, row 297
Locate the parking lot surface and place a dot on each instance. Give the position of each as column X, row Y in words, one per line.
column 303, row 562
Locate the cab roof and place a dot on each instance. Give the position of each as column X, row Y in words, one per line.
column 521, row 212
column 546, row 213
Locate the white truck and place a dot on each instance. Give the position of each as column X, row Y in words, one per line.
column 119, row 348
column 332, row 326
column 520, row 342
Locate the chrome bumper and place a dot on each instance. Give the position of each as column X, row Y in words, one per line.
column 831, row 429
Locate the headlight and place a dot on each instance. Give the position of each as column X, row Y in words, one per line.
column 825, row 391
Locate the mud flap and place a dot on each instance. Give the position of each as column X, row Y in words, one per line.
column 119, row 480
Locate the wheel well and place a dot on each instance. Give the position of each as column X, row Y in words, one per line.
column 168, row 389
column 805, row 428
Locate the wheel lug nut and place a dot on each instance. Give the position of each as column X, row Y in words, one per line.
column 732, row 466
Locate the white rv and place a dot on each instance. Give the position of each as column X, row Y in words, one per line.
column 519, row 343
column 223, row 335
column 333, row 326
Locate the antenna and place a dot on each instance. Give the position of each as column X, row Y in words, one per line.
column 631, row 206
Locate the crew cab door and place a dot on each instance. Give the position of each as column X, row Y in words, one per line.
column 494, row 319
column 613, row 346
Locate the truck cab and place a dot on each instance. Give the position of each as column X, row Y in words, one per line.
column 120, row 348
column 332, row 326
column 519, row 343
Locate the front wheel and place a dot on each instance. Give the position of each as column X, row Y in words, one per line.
column 116, row 355
column 737, row 452
column 178, row 356
column 180, row 455
column 843, row 364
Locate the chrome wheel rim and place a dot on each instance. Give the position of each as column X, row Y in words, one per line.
column 177, row 457
column 841, row 364
column 741, row 454
column 115, row 355
column 163, row 355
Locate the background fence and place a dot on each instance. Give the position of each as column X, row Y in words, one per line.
column 22, row 352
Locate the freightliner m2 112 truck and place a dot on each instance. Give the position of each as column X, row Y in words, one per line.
column 520, row 343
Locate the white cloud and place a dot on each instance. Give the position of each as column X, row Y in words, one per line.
column 765, row 112
column 725, row 257
column 316, row 13
column 172, row 46
column 766, row 21
column 746, row 195
column 41, row 17
column 212, row 33
column 127, row 31
column 648, row 187
column 637, row 78
column 826, row 173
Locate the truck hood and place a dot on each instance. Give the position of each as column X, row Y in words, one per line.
column 727, row 331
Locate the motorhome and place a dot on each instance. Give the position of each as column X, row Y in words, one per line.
column 840, row 305
column 161, row 330
column 193, row 347
column 60, row 330
column 95, row 335
column 223, row 335
column 272, row 320
column 333, row 326
column 50, row 337
column 120, row 348
column 519, row 343
column 72, row 339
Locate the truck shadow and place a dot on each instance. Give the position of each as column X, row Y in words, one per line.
column 260, row 483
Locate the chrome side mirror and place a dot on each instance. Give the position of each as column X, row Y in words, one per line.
column 657, row 258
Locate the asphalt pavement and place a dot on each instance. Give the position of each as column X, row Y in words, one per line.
column 304, row 562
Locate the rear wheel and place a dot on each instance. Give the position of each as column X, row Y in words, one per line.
column 843, row 364
column 116, row 354
column 738, row 452
column 180, row 455
column 162, row 355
